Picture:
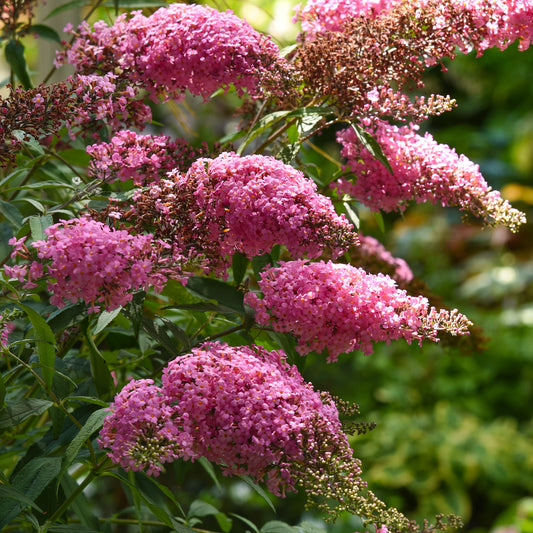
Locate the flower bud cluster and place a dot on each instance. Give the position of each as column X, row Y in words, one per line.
column 242, row 204
column 143, row 158
column 423, row 170
column 342, row 308
column 86, row 260
column 182, row 47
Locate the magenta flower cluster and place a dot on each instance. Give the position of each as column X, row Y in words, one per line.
column 422, row 170
column 243, row 408
column 342, row 308
column 240, row 204
column 260, row 202
column 180, row 47
column 83, row 259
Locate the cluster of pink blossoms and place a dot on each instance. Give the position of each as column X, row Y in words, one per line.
column 371, row 253
column 343, row 308
column 423, row 170
column 87, row 260
column 180, row 47
column 244, row 408
column 241, row 204
column 143, row 158
column 318, row 16
column 494, row 22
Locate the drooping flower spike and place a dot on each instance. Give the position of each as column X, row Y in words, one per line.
column 342, row 308
column 422, row 170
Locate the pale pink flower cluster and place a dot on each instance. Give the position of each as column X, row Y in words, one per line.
column 103, row 100
column 371, row 251
column 85, row 259
column 500, row 23
column 423, row 170
column 6, row 328
column 180, row 47
column 243, row 408
column 495, row 22
column 342, row 308
column 318, row 16
column 243, row 204
column 142, row 158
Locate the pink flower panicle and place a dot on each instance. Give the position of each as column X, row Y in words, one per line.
column 375, row 258
column 181, row 47
column 242, row 204
column 423, row 170
column 244, row 408
column 342, row 308
column 492, row 22
column 318, row 16
column 249, row 411
column 143, row 158
column 85, row 259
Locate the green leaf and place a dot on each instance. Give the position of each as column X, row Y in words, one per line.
column 351, row 213
column 94, row 423
column 103, row 381
column 288, row 153
column 13, row 414
column 248, row 480
column 11, row 214
column 276, row 526
column 45, row 341
column 7, row 492
column 72, row 528
column 204, row 307
column 45, row 32
column 261, row 125
column 208, row 467
column 14, row 53
column 31, row 480
column 260, row 262
column 38, row 224
column 292, row 133
column 67, row 317
column 76, row 156
column 201, row 508
column 134, row 311
column 80, row 506
column 104, row 319
column 371, row 145
column 213, row 289
column 246, row 521
column 67, row 6
column 224, row 521
column 239, row 264
column 311, row 527
column 379, row 219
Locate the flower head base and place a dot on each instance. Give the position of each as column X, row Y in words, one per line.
column 342, row 308
column 182, row 47
column 242, row 204
column 88, row 260
column 423, row 170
